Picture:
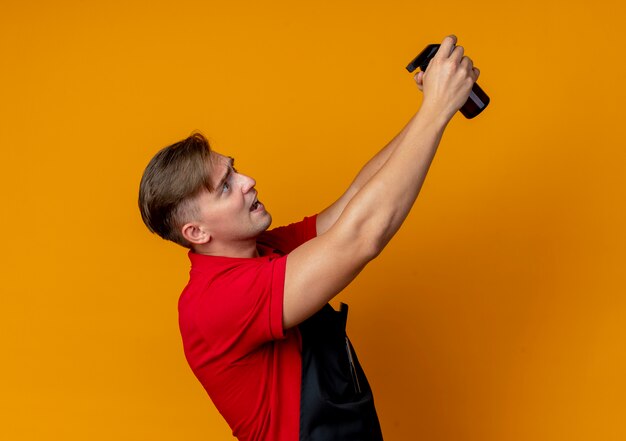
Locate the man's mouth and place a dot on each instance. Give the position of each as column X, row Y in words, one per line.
column 255, row 205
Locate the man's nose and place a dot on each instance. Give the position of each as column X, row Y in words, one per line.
column 247, row 183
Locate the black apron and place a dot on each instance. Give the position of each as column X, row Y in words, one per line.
column 336, row 400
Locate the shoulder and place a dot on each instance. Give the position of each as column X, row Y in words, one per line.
column 216, row 272
column 236, row 297
column 220, row 281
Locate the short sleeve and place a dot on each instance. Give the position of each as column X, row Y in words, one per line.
column 289, row 237
column 243, row 307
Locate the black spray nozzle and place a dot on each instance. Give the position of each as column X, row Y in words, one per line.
column 423, row 58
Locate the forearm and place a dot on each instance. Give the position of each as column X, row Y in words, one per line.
column 383, row 202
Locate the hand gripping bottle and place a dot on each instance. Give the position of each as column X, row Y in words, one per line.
column 477, row 100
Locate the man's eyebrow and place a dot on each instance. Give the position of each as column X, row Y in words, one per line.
column 231, row 163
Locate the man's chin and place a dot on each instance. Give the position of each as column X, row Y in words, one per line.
column 268, row 221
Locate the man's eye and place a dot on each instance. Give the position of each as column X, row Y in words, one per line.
column 225, row 187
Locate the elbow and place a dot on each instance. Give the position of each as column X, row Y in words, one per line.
column 372, row 254
column 366, row 241
column 367, row 231
column 373, row 243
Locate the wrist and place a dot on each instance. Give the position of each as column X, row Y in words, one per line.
column 432, row 115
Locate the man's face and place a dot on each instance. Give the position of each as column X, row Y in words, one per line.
column 231, row 213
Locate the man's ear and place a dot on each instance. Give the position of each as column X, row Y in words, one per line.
column 195, row 234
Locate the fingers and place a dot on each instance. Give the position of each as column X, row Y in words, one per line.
column 449, row 50
column 447, row 45
column 472, row 71
column 457, row 54
column 468, row 63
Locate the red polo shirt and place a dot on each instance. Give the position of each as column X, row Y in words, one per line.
column 231, row 323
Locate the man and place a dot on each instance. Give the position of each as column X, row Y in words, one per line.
column 255, row 321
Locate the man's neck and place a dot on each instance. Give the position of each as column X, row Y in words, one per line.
column 245, row 249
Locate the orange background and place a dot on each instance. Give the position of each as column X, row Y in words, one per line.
column 497, row 313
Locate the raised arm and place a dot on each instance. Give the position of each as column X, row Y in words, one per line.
column 320, row 268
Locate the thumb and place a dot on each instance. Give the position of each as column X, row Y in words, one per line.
column 419, row 79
